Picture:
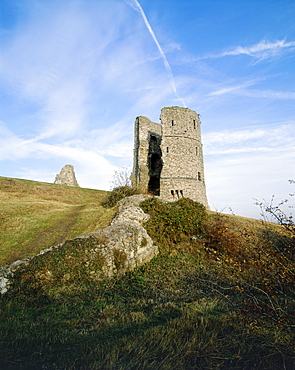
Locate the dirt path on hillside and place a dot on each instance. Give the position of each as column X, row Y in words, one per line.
column 58, row 232
column 55, row 234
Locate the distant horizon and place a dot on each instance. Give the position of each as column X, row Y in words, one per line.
column 76, row 74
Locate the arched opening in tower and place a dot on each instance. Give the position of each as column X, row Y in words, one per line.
column 155, row 168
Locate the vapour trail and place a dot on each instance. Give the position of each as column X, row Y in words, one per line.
column 135, row 4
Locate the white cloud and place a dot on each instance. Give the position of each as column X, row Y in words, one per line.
column 82, row 76
column 235, row 89
column 77, row 57
column 241, row 165
column 89, row 161
column 13, row 147
column 261, row 51
column 276, row 138
column 226, row 90
column 268, row 94
column 236, row 182
column 243, row 89
column 135, row 4
column 254, row 93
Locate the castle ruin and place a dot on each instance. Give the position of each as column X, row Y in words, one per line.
column 66, row 176
column 168, row 156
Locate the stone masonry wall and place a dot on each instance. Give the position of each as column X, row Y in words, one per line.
column 181, row 163
column 144, row 129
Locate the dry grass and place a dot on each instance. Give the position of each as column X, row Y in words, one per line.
column 36, row 215
column 223, row 299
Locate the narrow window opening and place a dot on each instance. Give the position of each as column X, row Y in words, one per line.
column 181, row 193
column 176, row 191
column 172, row 192
column 172, row 123
column 167, row 149
column 199, row 176
column 197, row 152
column 194, row 123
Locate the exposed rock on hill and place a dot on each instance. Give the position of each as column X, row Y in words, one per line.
column 66, row 176
column 106, row 253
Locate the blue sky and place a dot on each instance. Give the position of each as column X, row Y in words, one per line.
column 75, row 75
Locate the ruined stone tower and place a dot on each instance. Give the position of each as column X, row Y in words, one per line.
column 168, row 157
column 66, row 176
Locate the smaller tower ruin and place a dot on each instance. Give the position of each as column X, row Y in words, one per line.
column 168, row 156
column 66, row 176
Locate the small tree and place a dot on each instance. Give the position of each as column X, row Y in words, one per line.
column 121, row 178
column 277, row 213
column 121, row 187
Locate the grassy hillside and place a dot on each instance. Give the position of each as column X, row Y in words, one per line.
column 36, row 215
column 220, row 295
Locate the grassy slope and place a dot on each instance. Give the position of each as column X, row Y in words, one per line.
column 199, row 304
column 36, row 215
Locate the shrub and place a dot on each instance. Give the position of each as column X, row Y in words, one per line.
column 255, row 269
column 119, row 193
column 225, row 238
column 173, row 222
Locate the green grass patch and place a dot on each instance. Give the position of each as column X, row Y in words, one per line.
column 38, row 215
column 161, row 316
column 220, row 295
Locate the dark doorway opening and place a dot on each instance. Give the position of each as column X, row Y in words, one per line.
column 154, row 185
column 155, row 165
column 155, row 171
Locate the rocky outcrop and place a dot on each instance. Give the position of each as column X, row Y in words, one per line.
column 106, row 253
column 66, row 176
column 129, row 209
